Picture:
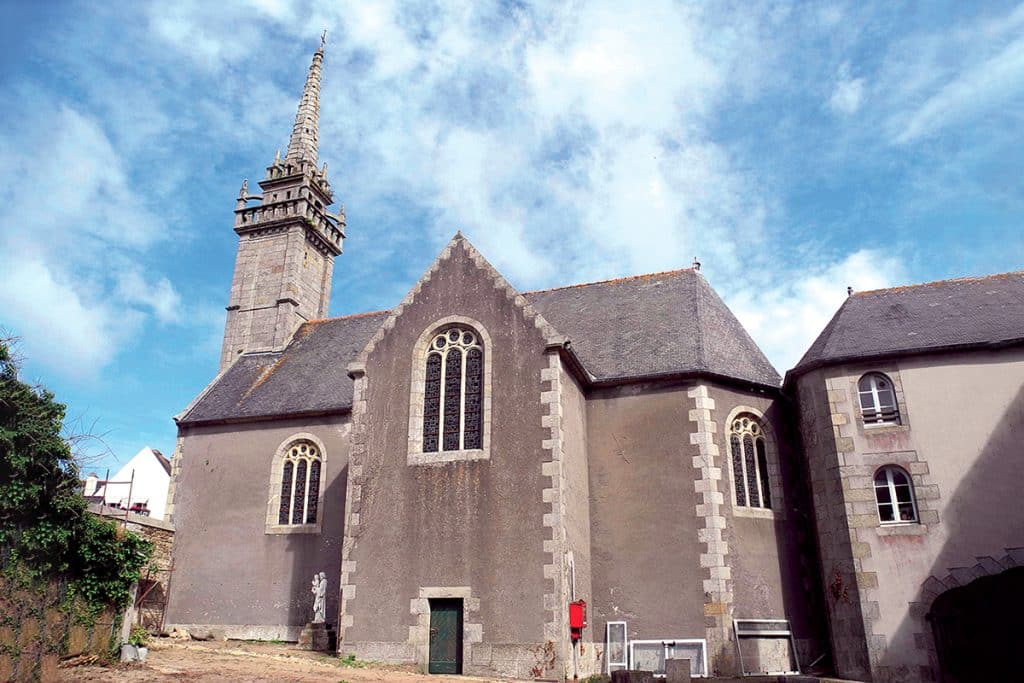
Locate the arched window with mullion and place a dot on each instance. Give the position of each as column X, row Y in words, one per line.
column 453, row 392
column 749, row 459
column 878, row 403
column 300, row 485
column 894, row 495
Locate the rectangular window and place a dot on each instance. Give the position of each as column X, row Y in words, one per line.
column 615, row 646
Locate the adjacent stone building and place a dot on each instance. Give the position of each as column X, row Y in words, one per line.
column 911, row 403
column 467, row 464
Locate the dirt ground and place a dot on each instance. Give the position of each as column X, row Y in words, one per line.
column 177, row 660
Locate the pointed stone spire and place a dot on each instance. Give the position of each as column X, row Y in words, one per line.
column 305, row 134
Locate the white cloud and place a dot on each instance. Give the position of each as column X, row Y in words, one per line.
column 848, row 93
column 158, row 295
column 57, row 327
column 786, row 315
column 567, row 142
column 977, row 89
column 948, row 78
column 74, row 233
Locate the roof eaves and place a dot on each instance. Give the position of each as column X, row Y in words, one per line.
column 681, row 375
column 802, row 369
column 268, row 417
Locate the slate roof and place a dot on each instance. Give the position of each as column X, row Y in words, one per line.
column 308, row 377
column 652, row 325
column 936, row 316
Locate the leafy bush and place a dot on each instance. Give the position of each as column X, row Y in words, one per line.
column 139, row 637
column 45, row 530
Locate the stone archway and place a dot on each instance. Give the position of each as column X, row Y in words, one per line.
column 969, row 621
column 977, row 629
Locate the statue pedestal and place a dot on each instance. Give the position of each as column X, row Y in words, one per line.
column 317, row 636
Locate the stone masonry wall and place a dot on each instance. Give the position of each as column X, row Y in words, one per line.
column 822, row 415
column 35, row 633
column 152, row 595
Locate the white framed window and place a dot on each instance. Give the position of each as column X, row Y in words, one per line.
column 651, row 655
column 770, row 647
column 894, row 494
column 296, row 486
column 878, row 400
column 749, row 457
column 616, row 652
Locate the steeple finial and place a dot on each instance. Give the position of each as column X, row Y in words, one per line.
column 305, row 134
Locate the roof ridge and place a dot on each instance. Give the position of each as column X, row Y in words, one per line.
column 702, row 361
column 611, row 280
column 933, row 283
column 317, row 321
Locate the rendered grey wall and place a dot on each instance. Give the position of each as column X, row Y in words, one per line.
column 476, row 524
column 577, row 494
column 645, row 558
column 774, row 561
column 227, row 570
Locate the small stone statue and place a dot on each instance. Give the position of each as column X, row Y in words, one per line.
column 319, row 590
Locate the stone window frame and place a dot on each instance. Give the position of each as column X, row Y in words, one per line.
column 874, row 375
column 771, row 447
column 274, row 496
column 868, row 428
column 416, row 456
column 889, row 469
column 927, row 495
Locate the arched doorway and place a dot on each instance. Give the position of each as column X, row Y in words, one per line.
column 978, row 629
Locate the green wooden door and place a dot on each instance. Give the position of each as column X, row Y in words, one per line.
column 445, row 636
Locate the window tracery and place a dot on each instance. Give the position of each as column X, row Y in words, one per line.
column 749, row 463
column 453, row 391
column 300, row 484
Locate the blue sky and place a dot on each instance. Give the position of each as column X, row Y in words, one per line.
column 794, row 148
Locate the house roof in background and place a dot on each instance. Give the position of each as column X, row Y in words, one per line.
column 162, row 459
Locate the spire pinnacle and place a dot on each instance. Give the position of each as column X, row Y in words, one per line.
column 305, row 134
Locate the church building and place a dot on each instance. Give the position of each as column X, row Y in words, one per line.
column 470, row 466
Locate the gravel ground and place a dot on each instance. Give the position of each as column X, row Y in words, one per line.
column 177, row 660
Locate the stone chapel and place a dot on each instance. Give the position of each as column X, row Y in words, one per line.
column 468, row 463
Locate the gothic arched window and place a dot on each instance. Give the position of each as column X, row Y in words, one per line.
column 300, row 484
column 453, row 391
column 878, row 399
column 749, row 462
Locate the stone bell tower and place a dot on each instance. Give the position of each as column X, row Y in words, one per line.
column 287, row 240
